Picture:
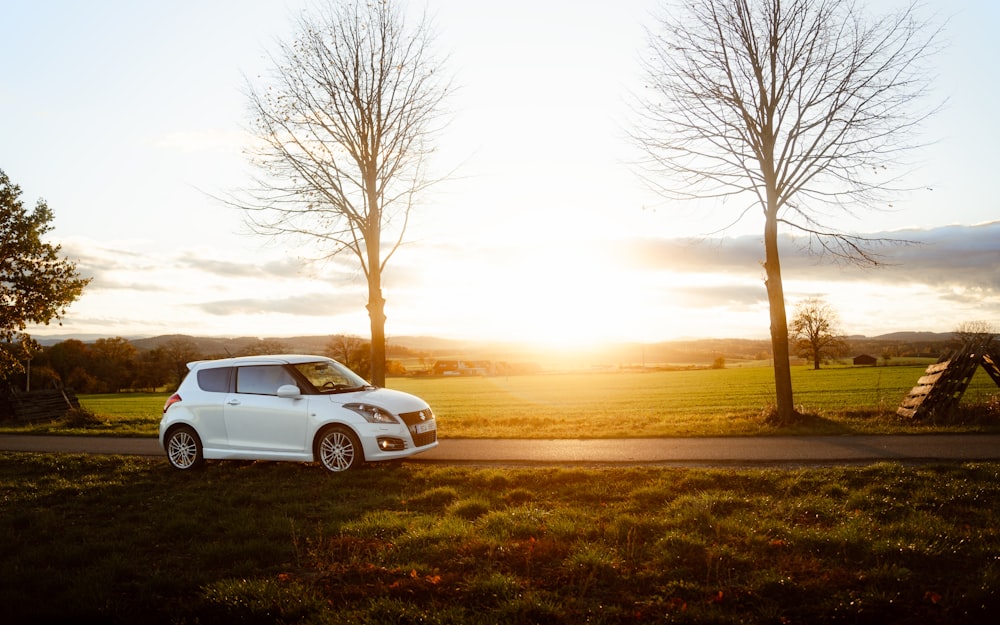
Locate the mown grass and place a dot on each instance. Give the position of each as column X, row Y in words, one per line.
column 727, row 402
column 114, row 539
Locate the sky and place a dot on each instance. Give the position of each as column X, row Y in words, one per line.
column 129, row 119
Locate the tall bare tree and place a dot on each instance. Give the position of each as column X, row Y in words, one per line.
column 815, row 332
column 345, row 124
column 799, row 107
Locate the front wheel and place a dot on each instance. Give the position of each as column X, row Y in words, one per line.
column 184, row 448
column 338, row 449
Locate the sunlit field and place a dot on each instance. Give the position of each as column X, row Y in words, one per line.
column 702, row 402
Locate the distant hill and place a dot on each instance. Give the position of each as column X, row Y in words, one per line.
column 215, row 346
column 914, row 336
column 428, row 349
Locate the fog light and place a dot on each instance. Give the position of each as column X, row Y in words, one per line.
column 386, row 443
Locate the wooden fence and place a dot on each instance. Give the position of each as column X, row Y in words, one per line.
column 35, row 406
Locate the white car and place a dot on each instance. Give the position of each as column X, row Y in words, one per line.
column 291, row 407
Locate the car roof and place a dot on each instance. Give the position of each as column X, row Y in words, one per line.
column 275, row 359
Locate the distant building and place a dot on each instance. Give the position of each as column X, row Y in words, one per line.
column 865, row 359
column 463, row 367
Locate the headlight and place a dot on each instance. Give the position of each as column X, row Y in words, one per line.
column 372, row 414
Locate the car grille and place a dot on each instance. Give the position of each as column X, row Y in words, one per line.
column 411, row 419
column 419, row 440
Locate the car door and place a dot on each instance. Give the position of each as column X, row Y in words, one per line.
column 208, row 406
column 258, row 420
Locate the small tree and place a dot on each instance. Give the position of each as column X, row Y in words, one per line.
column 352, row 352
column 113, row 362
column 975, row 334
column 264, row 346
column 887, row 355
column 178, row 352
column 69, row 356
column 36, row 284
column 152, row 370
column 814, row 331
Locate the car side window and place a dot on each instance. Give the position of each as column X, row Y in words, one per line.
column 215, row 380
column 262, row 379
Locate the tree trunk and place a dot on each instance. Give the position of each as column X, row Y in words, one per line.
column 376, row 313
column 779, row 322
column 376, row 303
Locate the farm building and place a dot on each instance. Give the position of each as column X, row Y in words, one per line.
column 463, row 367
column 865, row 359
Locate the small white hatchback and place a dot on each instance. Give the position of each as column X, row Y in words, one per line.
column 290, row 407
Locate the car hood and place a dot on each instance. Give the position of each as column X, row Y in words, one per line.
column 396, row 402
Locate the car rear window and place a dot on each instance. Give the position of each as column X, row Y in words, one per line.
column 215, row 380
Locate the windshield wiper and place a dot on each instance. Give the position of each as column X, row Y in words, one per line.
column 343, row 388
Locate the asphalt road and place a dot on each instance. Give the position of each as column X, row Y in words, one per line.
column 736, row 451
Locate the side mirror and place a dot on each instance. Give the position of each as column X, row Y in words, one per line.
column 289, row 391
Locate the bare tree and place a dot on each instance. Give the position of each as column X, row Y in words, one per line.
column 815, row 332
column 351, row 351
column 177, row 352
column 260, row 347
column 975, row 334
column 799, row 106
column 344, row 128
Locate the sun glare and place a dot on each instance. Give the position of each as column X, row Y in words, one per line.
column 559, row 297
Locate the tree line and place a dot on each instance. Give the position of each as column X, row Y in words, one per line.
column 113, row 365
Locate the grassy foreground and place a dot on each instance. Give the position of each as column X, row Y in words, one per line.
column 123, row 540
column 727, row 402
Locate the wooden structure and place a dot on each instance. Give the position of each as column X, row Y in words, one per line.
column 37, row 406
column 944, row 383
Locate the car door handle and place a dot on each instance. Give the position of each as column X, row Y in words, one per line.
column 233, row 402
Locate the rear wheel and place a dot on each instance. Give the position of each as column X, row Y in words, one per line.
column 338, row 449
column 184, row 448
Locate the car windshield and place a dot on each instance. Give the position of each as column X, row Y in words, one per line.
column 329, row 376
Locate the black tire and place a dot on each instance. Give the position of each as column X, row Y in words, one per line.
column 183, row 448
column 338, row 449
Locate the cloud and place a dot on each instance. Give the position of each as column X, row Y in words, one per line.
column 308, row 305
column 112, row 269
column 337, row 272
column 958, row 256
column 734, row 255
column 731, row 296
column 644, row 285
column 224, row 268
column 964, row 256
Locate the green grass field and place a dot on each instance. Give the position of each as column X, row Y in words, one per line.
column 124, row 540
column 703, row 402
